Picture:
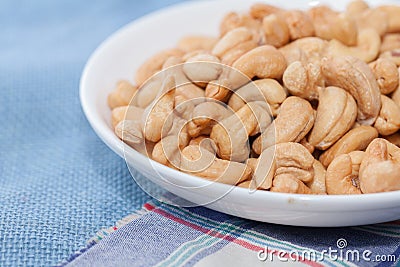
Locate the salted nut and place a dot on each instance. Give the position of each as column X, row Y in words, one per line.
column 340, row 179
column 202, row 68
column 268, row 90
column 303, row 79
column 154, row 64
column 276, row 30
column 125, row 113
column 205, row 116
column 262, row 62
column 201, row 162
column 231, row 134
column 122, row 95
column 379, row 170
column 194, row 43
column 288, row 159
column 386, row 74
column 367, row 49
column 355, row 76
column 311, row 49
column 388, row 121
column 336, row 114
column 230, row 40
column 284, row 128
column 356, row 139
column 329, row 25
column 289, row 184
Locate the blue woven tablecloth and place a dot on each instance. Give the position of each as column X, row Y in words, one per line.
column 59, row 184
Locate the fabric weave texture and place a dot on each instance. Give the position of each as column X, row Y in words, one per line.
column 59, row 183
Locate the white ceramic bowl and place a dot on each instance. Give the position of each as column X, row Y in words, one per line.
column 118, row 58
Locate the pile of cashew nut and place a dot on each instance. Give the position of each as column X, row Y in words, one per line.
column 289, row 101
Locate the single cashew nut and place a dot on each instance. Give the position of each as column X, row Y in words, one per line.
column 303, row 79
column 202, row 68
column 276, row 30
column 201, row 162
column 156, row 115
column 310, row 49
column 154, row 64
column 336, row 114
column 193, row 43
column 286, row 183
column 130, row 131
column 231, row 134
column 294, row 121
column 125, row 113
column 147, row 92
column 205, row 116
column 356, row 139
column 340, row 179
column 122, row 94
column 386, row 74
column 329, row 24
column 354, row 76
column 262, row 62
column 299, row 24
column 268, row 90
column 380, row 168
column 367, row 49
column 231, row 39
column 388, row 121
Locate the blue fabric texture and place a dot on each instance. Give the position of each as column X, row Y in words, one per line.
column 59, row 183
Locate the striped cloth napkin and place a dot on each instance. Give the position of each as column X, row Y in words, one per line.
column 164, row 235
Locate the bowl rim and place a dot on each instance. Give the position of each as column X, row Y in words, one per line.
column 106, row 134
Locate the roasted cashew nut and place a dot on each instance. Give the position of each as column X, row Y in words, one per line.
column 262, row 62
column 354, row 76
column 304, row 79
column 336, row 114
column 356, row 139
column 268, row 90
column 388, row 121
column 294, row 121
column 231, row 134
column 379, row 170
column 201, row 162
column 205, row 116
column 122, row 95
column 329, row 24
column 386, row 74
column 340, row 179
column 367, row 49
column 290, row 159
